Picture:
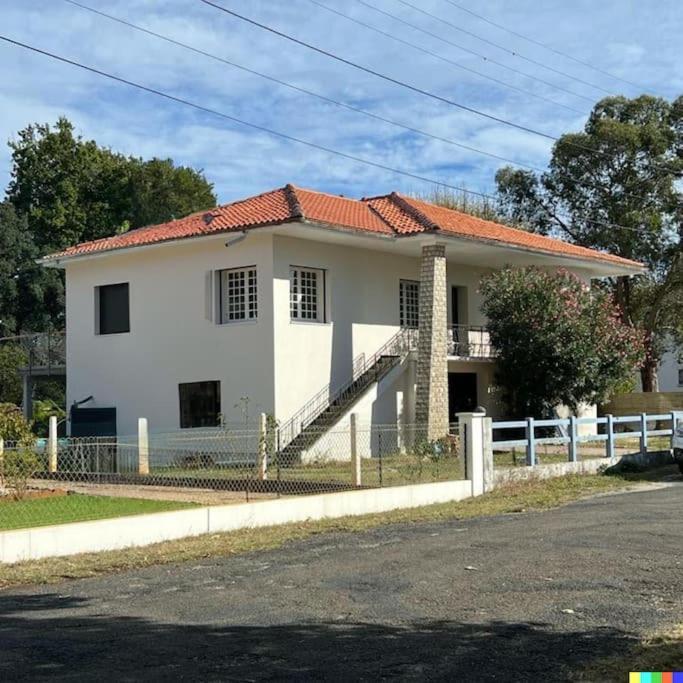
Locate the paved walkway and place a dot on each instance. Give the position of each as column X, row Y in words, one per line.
column 514, row 597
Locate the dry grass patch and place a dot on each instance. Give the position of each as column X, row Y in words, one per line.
column 662, row 651
column 514, row 497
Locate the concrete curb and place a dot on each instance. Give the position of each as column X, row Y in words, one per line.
column 140, row 530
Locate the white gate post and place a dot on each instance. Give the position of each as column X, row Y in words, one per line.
column 52, row 443
column 355, row 459
column 263, row 447
column 143, row 446
column 472, row 438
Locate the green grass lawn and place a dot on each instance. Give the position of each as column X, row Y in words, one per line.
column 395, row 471
column 76, row 508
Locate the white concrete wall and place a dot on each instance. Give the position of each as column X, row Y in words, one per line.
column 668, row 372
column 171, row 341
column 362, row 313
column 140, row 530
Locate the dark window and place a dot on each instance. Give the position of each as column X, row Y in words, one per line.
column 200, row 404
column 680, row 377
column 113, row 306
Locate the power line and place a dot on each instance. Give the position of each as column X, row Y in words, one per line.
column 305, row 91
column 408, row 86
column 545, row 46
column 455, row 27
column 502, row 65
column 312, row 93
column 378, row 74
column 264, row 129
column 444, row 59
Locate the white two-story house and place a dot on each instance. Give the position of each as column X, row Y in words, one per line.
column 287, row 301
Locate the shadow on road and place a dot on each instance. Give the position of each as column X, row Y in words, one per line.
column 45, row 637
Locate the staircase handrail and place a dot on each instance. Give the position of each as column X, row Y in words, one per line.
column 399, row 344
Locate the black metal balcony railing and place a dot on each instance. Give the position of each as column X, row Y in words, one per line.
column 470, row 341
column 43, row 350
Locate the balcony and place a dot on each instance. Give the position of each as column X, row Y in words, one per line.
column 471, row 342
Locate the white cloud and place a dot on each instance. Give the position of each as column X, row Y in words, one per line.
column 641, row 45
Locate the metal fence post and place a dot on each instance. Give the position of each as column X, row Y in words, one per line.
column 52, row 443
column 355, row 459
column 279, row 456
column 643, row 433
column 2, row 450
column 263, row 447
column 531, row 443
column 379, row 448
column 143, row 446
column 573, row 453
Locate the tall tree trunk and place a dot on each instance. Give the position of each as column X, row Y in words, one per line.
column 648, row 375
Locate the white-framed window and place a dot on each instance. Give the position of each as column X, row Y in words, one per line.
column 409, row 303
column 307, row 294
column 239, row 295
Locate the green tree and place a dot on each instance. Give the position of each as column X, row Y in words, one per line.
column 623, row 169
column 30, row 296
column 12, row 358
column 558, row 342
column 66, row 190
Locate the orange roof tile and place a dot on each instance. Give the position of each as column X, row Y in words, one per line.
column 391, row 214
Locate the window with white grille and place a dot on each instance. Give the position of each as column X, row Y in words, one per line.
column 239, row 300
column 409, row 303
column 307, row 294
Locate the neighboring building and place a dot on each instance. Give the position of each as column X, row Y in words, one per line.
column 285, row 299
column 670, row 373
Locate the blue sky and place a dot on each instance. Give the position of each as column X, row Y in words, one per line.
column 639, row 41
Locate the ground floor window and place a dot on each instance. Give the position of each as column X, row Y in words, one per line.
column 200, row 404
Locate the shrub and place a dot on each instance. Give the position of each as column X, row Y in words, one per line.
column 19, row 461
column 558, row 341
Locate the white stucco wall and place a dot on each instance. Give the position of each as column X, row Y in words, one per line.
column 362, row 313
column 668, row 372
column 170, row 340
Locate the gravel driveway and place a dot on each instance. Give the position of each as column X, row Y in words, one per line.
column 504, row 598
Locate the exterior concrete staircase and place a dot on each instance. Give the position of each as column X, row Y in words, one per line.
column 328, row 406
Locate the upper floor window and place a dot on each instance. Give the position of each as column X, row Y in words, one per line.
column 307, row 294
column 239, row 299
column 200, row 404
column 680, row 377
column 409, row 303
column 113, row 308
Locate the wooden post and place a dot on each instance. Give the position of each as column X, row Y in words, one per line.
column 531, row 443
column 52, row 443
column 610, row 436
column 355, row 459
column 573, row 453
column 143, row 446
column 643, row 433
column 263, row 447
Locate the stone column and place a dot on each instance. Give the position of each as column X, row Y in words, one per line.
column 431, row 400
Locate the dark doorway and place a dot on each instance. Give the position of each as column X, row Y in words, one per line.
column 455, row 306
column 462, row 393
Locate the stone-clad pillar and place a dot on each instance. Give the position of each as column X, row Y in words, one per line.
column 431, row 400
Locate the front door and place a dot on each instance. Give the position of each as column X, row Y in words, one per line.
column 462, row 393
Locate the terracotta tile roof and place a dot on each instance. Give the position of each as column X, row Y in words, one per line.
column 391, row 214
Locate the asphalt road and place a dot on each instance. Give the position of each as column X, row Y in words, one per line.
column 515, row 597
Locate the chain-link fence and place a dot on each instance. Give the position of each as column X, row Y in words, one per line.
column 88, row 478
